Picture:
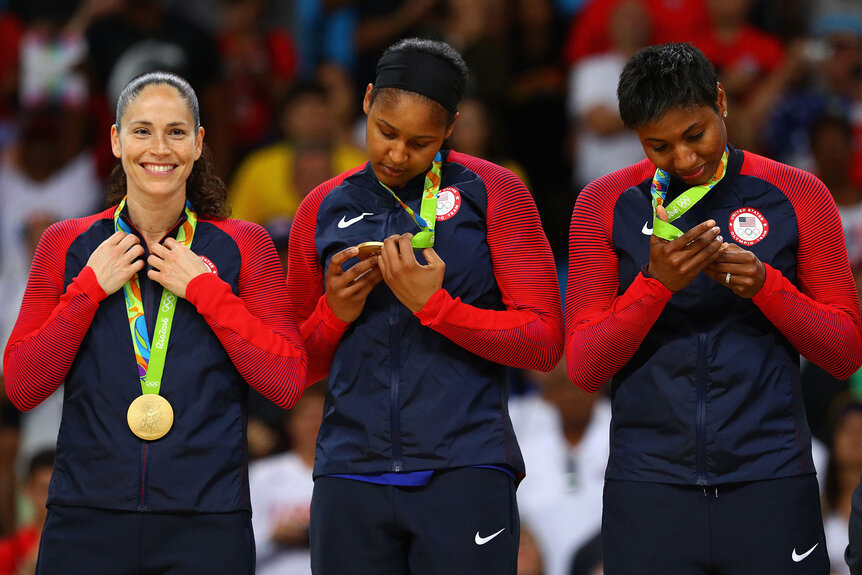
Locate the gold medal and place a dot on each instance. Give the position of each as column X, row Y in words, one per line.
column 150, row 416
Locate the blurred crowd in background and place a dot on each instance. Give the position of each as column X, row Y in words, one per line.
column 280, row 84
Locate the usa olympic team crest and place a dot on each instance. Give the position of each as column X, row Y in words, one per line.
column 448, row 203
column 210, row 264
column 748, row 226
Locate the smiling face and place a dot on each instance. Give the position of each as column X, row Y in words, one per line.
column 687, row 142
column 157, row 143
column 403, row 134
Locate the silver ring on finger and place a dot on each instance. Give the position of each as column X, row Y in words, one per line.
column 727, row 278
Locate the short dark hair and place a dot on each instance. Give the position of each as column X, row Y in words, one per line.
column 204, row 188
column 662, row 77
column 440, row 50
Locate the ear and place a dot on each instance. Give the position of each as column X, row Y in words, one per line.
column 199, row 143
column 116, row 148
column 452, row 125
column 366, row 101
column 721, row 100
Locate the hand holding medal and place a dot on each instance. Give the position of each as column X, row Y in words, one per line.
column 676, row 263
column 412, row 282
column 346, row 290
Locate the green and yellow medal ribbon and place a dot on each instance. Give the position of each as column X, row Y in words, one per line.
column 150, row 357
column 682, row 203
column 427, row 216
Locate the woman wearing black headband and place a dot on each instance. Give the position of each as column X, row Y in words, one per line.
column 416, row 462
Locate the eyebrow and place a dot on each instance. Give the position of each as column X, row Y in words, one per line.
column 148, row 123
column 684, row 132
column 417, row 137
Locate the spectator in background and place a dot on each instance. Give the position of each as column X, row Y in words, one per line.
column 477, row 134
column 673, row 21
column 271, row 182
column 324, row 32
column 530, row 560
column 831, row 147
column 842, row 476
column 536, row 96
column 831, row 137
column 744, row 57
column 11, row 31
column 259, row 65
column 563, row 435
column 601, row 143
column 588, row 559
column 19, row 551
column 380, row 22
column 48, row 174
column 478, row 29
column 344, row 113
column 824, row 73
column 281, row 487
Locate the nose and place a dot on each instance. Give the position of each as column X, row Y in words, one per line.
column 684, row 158
column 160, row 145
column 398, row 152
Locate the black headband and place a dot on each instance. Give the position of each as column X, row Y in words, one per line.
column 423, row 74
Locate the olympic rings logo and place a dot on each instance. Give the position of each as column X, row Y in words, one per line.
column 169, row 302
column 153, row 383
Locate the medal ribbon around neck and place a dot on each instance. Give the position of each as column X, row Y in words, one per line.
column 427, row 216
column 682, row 203
column 151, row 357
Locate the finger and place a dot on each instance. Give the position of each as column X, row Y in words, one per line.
column 737, row 256
column 697, row 231
column 160, row 250
column 155, row 262
column 709, row 253
column 339, row 258
column 661, row 212
column 117, row 237
column 707, row 240
column 133, row 253
column 390, row 253
column 369, row 278
column 390, row 245
column 124, row 241
column 357, row 269
column 405, row 247
column 431, row 256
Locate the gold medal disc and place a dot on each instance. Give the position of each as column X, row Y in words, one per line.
column 150, row 416
column 368, row 249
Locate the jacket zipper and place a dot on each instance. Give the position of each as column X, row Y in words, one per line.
column 394, row 359
column 148, row 307
column 148, row 310
column 701, row 409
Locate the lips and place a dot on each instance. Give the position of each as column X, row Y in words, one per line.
column 158, row 168
column 693, row 174
column 391, row 172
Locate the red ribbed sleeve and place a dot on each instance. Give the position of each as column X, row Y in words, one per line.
column 821, row 316
column 321, row 330
column 529, row 332
column 52, row 323
column 603, row 329
column 256, row 328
